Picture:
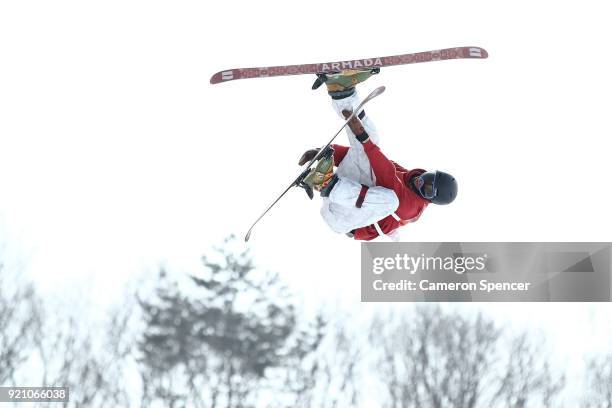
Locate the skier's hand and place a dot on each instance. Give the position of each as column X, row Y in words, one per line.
column 346, row 113
column 308, row 156
column 354, row 123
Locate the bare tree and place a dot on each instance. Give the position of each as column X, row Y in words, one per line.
column 527, row 379
column 598, row 392
column 20, row 321
column 325, row 372
column 438, row 359
column 90, row 361
column 342, row 367
column 59, row 347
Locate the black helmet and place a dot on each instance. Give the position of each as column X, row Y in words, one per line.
column 438, row 187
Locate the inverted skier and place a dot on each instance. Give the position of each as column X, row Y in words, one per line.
column 369, row 195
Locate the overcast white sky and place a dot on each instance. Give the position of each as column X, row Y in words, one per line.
column 116, row 155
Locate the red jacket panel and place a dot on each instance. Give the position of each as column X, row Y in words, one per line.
column 395, row 177
column 339, row 153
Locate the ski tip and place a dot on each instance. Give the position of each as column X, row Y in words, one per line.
column 247, row 236
column 224, row 76
column 484, row 53
column 215, row 79
column 476, row 52
column 374, row 93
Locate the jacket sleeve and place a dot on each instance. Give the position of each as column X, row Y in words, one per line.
column 384, row 169
column 339, row 153
column 399, row 167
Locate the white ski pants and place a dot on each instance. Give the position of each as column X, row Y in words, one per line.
column 339, row 210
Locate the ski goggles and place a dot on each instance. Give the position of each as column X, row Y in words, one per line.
column 426, row 183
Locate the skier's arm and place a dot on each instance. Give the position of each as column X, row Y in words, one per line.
column 354, row 124
column 339, row 153
column 384, row 169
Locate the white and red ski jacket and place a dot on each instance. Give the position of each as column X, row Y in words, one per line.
column 392, row 176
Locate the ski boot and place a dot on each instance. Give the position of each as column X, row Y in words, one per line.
column 342, row 84
column 318, row 178
column 306, row 187
column 326, row 191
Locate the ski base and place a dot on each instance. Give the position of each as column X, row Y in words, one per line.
column 332, row 67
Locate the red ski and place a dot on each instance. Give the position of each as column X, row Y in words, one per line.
column 331, row 67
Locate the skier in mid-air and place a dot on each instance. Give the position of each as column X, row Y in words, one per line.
column 368, row 195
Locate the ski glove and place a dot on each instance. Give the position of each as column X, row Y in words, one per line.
column 308, row 156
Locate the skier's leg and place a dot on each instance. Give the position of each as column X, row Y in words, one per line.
column 341, row 88
column 341, row 214
column 350, row 103
column 356, row 164
column 344, row 97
